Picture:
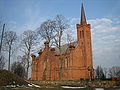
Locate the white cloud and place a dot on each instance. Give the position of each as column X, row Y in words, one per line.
column 74, row 20
column 100, row 21
column 106, row 41
column 109, row 37
column 12, row 22
column 104, row 25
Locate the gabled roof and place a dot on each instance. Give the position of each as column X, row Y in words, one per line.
column 65, row 48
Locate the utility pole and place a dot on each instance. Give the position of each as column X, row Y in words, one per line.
column 2, row 38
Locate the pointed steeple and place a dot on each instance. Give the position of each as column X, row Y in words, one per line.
column 83, row 18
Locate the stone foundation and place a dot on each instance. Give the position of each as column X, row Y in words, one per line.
column 82, row 83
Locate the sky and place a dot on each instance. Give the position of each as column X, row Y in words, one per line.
column 103, row 15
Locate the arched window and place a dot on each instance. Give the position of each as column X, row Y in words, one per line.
column 88, row 43
column 82, row 34
column 66, row 62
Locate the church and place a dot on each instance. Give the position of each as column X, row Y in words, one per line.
column 75, row 61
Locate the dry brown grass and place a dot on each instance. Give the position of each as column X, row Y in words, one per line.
column 9, row 78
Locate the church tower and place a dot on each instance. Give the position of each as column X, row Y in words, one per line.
column 84, row 40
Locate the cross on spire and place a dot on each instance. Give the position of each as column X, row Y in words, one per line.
column 83, row 18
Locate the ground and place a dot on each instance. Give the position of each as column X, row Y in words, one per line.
column 10, row 81
column 9, row 78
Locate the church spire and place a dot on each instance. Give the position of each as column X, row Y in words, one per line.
column 83, row 18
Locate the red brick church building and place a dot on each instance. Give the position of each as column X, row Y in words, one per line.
column 75, row 61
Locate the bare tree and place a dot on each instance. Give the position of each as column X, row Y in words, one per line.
column 105, row 71
column 28, row 42
column 18, row 69
column 114, row 71
column 99, row 74
column 46, row 30
column 70, row 38
column 60, row 26
column 10, row 38
column 2, row 62
column 52, row 31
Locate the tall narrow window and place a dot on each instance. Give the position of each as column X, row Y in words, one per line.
column 82, row 33
column 66, row 62
column 83, row 61
column 70, row 62
column 88, row 43
column 88, row 34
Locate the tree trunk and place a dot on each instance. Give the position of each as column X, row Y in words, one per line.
column 9, row 58
column 46, row 65
column 60, row 74
column 27, row 73
column 28, row 56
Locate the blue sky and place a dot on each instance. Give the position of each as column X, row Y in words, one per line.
column 103, row 15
